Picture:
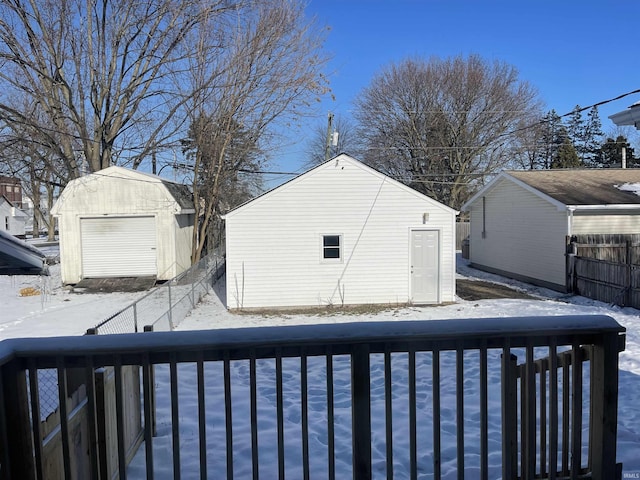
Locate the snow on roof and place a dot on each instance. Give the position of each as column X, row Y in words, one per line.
column 629, row 187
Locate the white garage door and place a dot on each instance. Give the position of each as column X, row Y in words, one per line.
column 118, row 247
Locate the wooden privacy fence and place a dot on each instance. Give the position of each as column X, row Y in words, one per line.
column 463, row 229
column 72, row 456
column 605, row 267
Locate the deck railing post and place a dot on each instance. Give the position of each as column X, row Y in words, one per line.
column 361, row 411
column 101, row 428
column 152, row 390
column 17, row 461
column 604, row 405
column 509, row 415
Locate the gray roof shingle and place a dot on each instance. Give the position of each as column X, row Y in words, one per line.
column 583, row 187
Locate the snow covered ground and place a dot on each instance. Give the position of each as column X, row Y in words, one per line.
column 60, row 312
column 212, row 314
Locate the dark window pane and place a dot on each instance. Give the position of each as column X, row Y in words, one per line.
column 331, row 240
column 331, row 252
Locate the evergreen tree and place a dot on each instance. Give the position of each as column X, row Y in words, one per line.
column 566, row 156
column 585, row 135
column 592, row 138
column 576, row 131
column 552, row 131
column 611, row 153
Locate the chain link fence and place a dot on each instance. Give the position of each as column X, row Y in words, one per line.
column 167, row 305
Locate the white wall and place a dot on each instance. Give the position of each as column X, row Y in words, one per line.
column 112, row 194
column 12, row 220
column 524, row 234
column 274, row 243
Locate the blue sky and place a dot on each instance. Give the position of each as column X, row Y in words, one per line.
column 572, row 52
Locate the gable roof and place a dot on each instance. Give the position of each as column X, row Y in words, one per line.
column 16, row 212
column 343, row 157
column 576, row 188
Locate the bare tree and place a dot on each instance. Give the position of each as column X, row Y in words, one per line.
column 347, row 140
column 269, row 72
column 441, row 126
column 98, row 74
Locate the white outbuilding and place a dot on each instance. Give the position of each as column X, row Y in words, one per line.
column 340, row 234
column 12, row 219
column 124, row 223
column 521, row 221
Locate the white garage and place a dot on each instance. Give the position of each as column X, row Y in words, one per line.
column 340, row 234
column 124, row 223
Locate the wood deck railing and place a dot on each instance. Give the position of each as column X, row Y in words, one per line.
column 547, row 373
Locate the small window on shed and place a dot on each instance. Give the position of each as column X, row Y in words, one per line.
column 331, row 247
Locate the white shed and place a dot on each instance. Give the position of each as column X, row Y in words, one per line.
column 124, row 223
column 521, row 220
column 12, row 219
column 340, row 234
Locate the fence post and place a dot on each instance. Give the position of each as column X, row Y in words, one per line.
column 135, row 317
column 170, row 307
column 629, row 267
column 361, row 412
column 570, row 263
column 193, row 293
column 509, row 415
column 604, row 405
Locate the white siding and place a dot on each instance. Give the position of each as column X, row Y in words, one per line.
column 117, row 192
column 274, row 243
column 524, row 234
column 599, row 223
column 12, row 220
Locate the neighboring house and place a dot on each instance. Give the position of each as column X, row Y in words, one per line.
column 340, row 234
column 124, row 223
column 12, row 219
column 20, row 258
column 11, row 189
column 628, row 117
column 520, row 221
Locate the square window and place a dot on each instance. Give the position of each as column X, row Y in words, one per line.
column 331, row 245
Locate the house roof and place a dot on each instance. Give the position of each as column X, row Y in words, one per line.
column 20, row 258
column 18, row 212
column 611, row 188
column 630, row 116
column 343, row 157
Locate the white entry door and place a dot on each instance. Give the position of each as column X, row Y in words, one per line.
column 118, row 247
column 425, row 266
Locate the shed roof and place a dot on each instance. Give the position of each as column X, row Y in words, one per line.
column 584, row 187
column 179, row 192
column 610, row 188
